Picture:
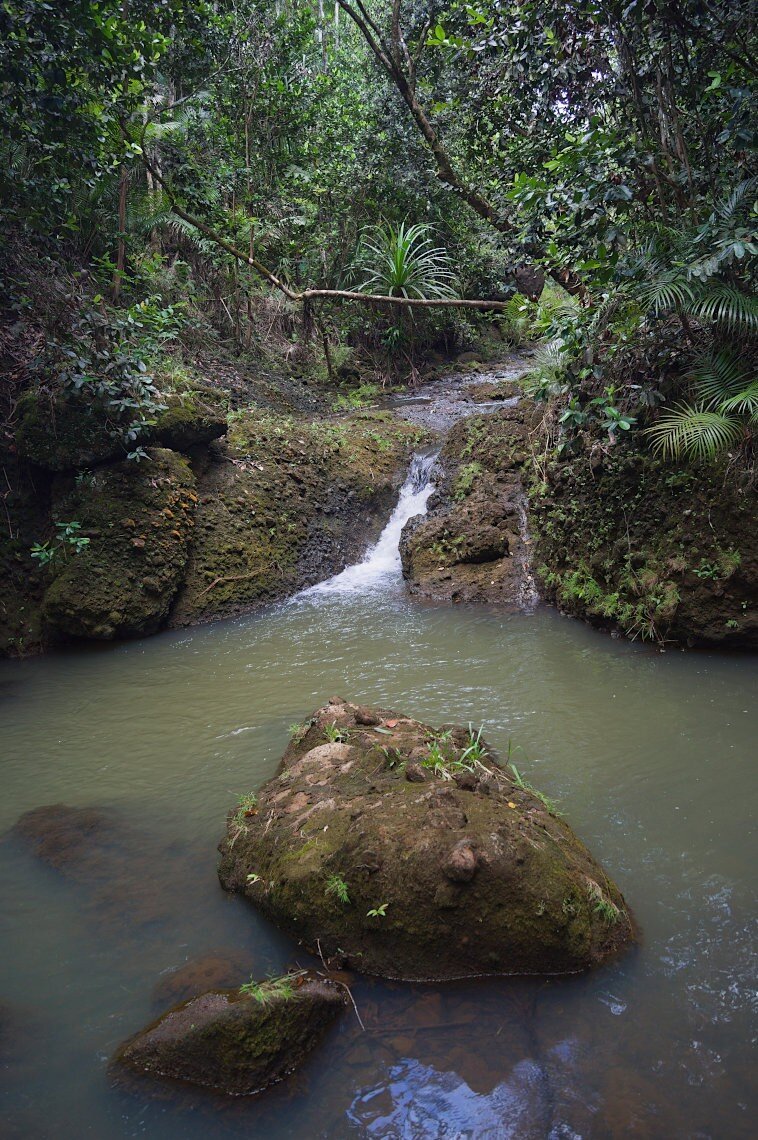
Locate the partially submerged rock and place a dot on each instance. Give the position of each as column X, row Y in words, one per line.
column 409, row 852
column 237, row 1042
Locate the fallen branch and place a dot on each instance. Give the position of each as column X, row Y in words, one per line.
column 228, row 578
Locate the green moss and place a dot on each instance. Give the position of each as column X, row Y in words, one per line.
column 289, row 485
column 139, row 519
column 662, row 552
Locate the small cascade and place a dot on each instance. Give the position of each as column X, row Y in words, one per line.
column 382, row 561
column 528, row 597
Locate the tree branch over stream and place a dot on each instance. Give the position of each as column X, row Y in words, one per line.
column 305, row 295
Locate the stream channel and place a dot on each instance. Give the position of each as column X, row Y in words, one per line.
column 650, row 756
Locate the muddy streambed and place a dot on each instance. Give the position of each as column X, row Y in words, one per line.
column 650, row 755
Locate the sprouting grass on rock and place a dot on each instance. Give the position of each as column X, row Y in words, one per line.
column 273, row 989
column 336, row 885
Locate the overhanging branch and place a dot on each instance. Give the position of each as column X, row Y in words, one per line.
column 312, row 294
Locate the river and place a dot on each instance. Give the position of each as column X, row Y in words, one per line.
column 650, row 755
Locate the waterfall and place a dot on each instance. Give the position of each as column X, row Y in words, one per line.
column 381, row 563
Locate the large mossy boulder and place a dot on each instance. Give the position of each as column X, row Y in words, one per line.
column 74, row 431
column 237, row 1042
column 409, row 852
column 139, row 520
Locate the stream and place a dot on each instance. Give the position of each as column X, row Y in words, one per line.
column 650, row 755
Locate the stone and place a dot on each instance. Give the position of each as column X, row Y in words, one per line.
column 481, row 879
column 235, row 1042
column 103, row 591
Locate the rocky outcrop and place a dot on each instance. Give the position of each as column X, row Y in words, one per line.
column 237, row 1041
column 75, row 432
column 658, row 550
column 288, row 503
column 409, row 852
column 189, row 532
column 473, row 546
column 139, row 520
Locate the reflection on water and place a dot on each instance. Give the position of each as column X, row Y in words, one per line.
column 649, row 754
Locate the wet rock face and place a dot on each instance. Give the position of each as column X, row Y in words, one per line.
column 139, row 518
column 236, row 1043
column 391, row 848
column 663, row 551
column 472, row 546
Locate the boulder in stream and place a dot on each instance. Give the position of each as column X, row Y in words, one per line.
column 237, row 1041
column 409, row 852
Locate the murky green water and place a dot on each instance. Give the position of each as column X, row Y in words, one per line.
column 651, row 756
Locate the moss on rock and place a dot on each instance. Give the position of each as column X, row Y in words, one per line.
column 384, row 844
column 233, row 1041
column 139, row 520
column 470, row 546
column 65, row 433
column 288, row 502
column 663, row 551
column 72, row 431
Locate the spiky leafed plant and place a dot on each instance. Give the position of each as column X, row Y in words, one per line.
column 403, row 261
column 723, row 412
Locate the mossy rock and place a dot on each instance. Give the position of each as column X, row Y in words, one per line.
column 139, row 519
column 72, row 432
column 65, row 433
column 288, row 503
column 471, row 546
column 234, row 1042
column 190, row 420
column 364, row 851
column 664, row 551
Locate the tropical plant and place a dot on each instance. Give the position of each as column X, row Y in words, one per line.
column 403, row 261
column 67, row 540
column 723, row 411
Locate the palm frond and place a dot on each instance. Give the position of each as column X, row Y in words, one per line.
column 693, row 432
column 717, row 376
column 723, row 304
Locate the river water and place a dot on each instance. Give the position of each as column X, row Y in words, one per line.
column 651, row 756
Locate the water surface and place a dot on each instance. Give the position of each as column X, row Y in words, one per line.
column 650, row 754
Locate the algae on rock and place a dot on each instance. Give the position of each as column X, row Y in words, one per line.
column 448, row 865
column 235, row 1042
column 139, row 519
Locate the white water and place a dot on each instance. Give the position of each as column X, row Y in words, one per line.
column 382, row 562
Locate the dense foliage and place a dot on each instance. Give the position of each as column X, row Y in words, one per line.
column 163, row 164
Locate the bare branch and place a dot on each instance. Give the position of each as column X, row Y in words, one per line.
column 311, row 294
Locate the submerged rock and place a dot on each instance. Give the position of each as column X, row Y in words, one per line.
column 409, row 852
column 235, row 1042
column 215, row 971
